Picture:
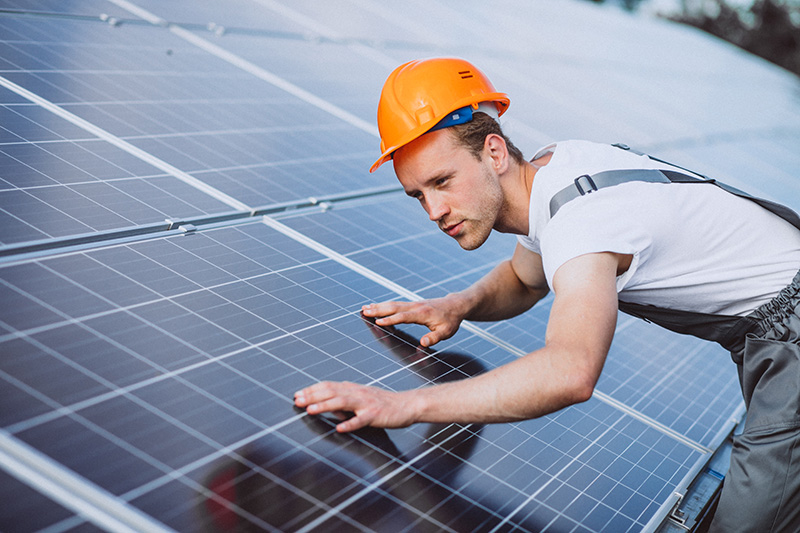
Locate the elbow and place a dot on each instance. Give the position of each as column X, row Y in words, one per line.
column 581, row 381
column 581, row 390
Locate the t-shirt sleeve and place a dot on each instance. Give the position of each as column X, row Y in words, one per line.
column 592, row 224
column 530, row 244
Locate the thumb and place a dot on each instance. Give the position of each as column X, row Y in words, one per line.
column 429, row 339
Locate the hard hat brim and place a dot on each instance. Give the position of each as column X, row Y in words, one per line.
column 501, row 99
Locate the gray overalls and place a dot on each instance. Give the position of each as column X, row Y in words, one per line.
column 761, row 492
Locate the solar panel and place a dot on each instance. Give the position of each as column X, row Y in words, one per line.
column 188, row 233
column 194, row 368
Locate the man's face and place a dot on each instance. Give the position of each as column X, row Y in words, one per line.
column 459, row 192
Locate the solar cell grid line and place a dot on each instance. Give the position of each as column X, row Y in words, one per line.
column 135, row 192
column 119, row 309
column 398, row 289
column 705, row 395
column 252, row 68
column 119, row 143
column 184, row 153
column 65, row 410
column 533, row 495
column 372, row 487
column 45, row 306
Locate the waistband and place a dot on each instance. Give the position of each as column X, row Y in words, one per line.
column 776, row 310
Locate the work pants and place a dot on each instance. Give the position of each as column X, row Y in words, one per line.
column 761, row 492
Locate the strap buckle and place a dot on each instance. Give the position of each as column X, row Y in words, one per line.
column 591, row 187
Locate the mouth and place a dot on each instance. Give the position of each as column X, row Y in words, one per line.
column 453, row 229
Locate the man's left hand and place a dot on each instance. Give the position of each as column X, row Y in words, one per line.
column 370, row 406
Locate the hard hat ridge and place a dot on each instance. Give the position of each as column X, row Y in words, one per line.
column 423, row 95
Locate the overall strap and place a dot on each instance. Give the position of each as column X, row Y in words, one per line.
column 586, row 184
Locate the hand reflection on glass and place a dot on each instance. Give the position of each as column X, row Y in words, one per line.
column 286, row 486
column 445, row 446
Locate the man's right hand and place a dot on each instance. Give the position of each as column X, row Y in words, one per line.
column 510, row 288
column 438, row 315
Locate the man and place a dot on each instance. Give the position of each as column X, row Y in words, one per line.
column 651, row 239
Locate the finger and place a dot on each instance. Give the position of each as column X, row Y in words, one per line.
column 300, row 399
column 341, row 416
column 353, row 423
column 437, row 334
column 428, row 340
column 383, row 308
column 316, row 393
column 399, row 318
column 337, row 403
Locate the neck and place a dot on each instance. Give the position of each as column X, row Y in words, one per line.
column 517, row 184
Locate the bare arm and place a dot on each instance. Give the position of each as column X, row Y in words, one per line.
column 511, row 288
column 563, row 372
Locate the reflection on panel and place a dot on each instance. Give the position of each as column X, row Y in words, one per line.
column 457, row 479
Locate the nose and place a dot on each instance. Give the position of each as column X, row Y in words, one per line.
column 437, row 207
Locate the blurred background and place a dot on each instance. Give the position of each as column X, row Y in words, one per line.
column 766, row 28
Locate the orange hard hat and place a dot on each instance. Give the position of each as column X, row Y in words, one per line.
column 420, row 94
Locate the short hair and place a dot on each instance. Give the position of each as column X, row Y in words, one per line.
column 472, row 135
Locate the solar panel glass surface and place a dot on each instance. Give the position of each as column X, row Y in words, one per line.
column 184, row 380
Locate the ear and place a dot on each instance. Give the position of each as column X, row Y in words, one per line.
column 495, row 151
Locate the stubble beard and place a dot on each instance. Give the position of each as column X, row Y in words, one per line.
column 478, row 227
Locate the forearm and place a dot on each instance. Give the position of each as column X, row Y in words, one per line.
column 537, row 384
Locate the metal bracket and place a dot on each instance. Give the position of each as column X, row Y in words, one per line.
column 173, row 224
column 677, row 513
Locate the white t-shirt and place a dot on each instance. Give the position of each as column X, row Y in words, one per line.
column 695, row 247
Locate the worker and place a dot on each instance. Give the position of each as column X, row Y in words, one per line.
column 606, row 229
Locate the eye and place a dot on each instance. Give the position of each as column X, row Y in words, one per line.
column 442, row 181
